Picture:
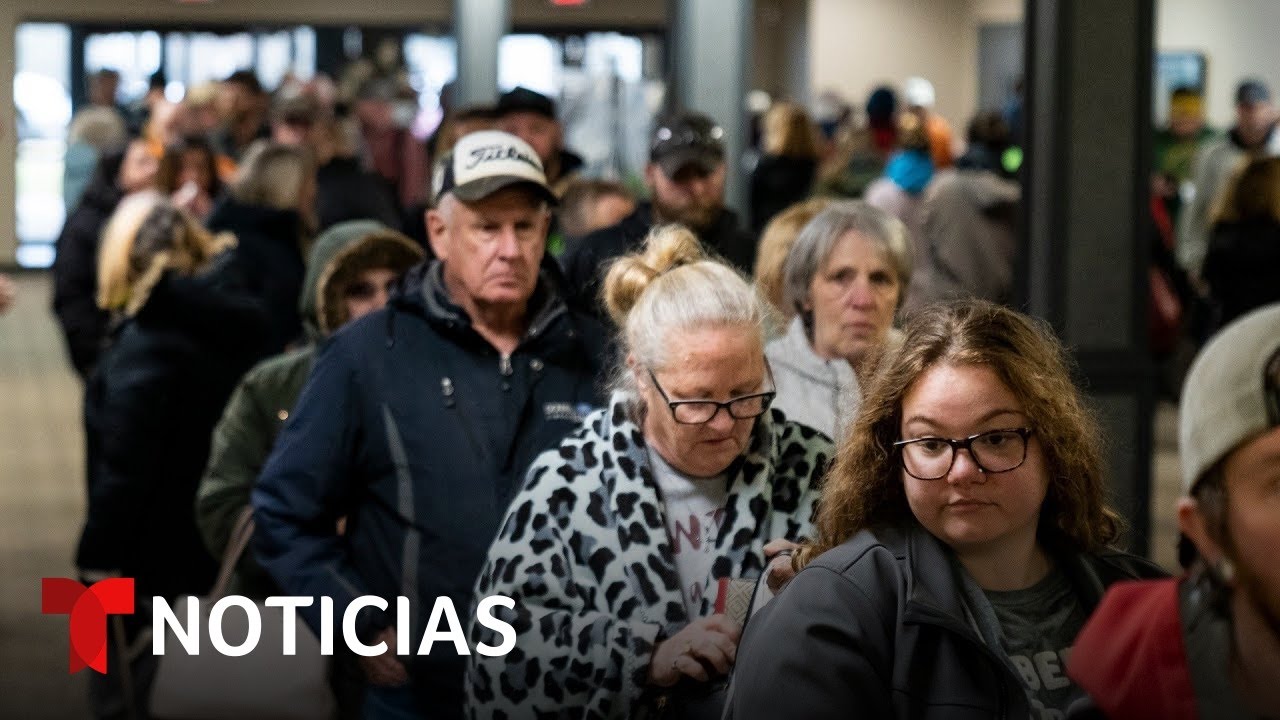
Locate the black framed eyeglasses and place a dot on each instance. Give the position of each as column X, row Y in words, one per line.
column 1271, row 387
column 994, row 451
column 697, row 412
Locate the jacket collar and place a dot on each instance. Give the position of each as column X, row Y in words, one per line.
column 935, row 593
column 423, row 292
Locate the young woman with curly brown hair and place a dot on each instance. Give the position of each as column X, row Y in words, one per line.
column 963, row 539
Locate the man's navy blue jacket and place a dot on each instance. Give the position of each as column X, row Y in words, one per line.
column 413, row 427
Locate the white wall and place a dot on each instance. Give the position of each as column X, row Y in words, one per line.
column 855, row 45
column 1239, row 38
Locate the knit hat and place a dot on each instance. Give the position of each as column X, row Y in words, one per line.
column 1232, row 392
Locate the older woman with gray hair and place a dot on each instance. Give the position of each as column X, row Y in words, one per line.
column 845, row 278
column 633, row 550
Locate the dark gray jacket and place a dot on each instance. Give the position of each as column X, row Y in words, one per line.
column 877, row 626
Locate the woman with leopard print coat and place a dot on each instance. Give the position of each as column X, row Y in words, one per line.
column 624, row 546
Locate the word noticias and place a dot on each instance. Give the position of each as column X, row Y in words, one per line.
column 89, row 608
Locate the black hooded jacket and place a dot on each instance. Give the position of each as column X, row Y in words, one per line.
column 880, row 623
column 75, row 268
column 150, row 408
column 586, row 261
column 414, row 428
column 269, row 257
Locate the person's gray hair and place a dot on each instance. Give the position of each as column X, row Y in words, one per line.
column 813, row 247
column 672, row 286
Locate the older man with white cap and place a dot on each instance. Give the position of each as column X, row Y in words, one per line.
column 1207, row 645
column 419, row 420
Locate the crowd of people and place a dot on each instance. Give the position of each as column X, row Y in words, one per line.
column 801, row 465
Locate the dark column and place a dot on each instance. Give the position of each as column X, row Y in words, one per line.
column 77, row 77
column 331, row 56
column 1087, row 223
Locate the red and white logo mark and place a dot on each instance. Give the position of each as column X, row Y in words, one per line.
column 88, row 608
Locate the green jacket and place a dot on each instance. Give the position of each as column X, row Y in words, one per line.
column 241, row 443
column 267, row 394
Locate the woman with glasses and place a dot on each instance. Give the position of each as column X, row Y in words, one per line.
column 963, row 539
column 843, row 282
column 635, row 546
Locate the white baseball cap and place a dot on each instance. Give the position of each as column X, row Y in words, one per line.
column 1232, row 392
column 484, row 162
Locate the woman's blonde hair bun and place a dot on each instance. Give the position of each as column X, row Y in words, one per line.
column 666, row 248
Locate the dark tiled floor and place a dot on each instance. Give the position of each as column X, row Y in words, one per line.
column 42, row 501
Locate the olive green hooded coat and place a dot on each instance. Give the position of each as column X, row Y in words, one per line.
column 262, row 401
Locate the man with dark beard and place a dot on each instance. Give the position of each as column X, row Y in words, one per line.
column 1206, row 645
column 685, row 177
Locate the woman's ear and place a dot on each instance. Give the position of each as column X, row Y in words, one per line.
column 1193, row 523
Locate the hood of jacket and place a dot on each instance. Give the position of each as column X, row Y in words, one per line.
column 337, row 257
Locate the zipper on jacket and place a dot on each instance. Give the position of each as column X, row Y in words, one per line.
column 1003, row 670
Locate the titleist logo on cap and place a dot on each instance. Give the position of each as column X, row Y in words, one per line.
column 493, row 153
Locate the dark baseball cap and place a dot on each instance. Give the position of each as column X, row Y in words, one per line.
column 685, row 139
column 522, row 99
column 486, row 161
column 1252, row 91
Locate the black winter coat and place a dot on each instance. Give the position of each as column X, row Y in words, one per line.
column 270, row 259
column 587, row 260
column 150, row 409
column 777, row 183
column 876, row 628
column 413, row 427
column 75, row 267
column 1242, row 267
column 346, row 191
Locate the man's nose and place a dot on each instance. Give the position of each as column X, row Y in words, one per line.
column 508, row 242
column 698, row 186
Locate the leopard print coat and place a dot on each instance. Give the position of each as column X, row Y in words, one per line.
column 584, row 551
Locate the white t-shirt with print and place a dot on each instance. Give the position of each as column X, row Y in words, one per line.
column 695, row 510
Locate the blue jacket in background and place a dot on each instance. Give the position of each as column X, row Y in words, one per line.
column 413, row 428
